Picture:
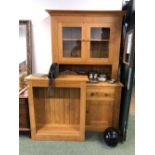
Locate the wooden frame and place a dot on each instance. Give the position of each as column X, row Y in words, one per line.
column 47, row 133
column 60, row 44
column 28, row 43
column 109, row 59
column 23, row 102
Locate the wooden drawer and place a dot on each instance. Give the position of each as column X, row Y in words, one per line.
column 100, row 93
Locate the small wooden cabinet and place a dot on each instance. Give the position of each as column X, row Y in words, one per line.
column 102, row 106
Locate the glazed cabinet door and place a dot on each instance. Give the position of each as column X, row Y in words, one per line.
column 70, row 43
column 99, row 43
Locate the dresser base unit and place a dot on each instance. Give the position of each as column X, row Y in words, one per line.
column 71, row 107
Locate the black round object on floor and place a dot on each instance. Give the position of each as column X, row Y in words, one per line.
column 111, row 136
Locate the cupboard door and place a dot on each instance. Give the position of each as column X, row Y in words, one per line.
column 70, row 41
column 99, row 115
column 99, row 43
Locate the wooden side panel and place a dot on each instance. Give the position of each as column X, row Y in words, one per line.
column 116, row 110
column 39, row 105
column 116, row 44
column 31, row 101
column 54, row 42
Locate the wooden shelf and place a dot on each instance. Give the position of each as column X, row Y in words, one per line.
column 99, row 40
column 51, row 129
column 86, row 40
column 72, row 39
column 24, row 129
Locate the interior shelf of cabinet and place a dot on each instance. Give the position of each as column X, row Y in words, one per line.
column 58, row 129
column 24, row 129
column 72, row 39
column 99, row 40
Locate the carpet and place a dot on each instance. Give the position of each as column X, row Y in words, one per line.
column 93, row 145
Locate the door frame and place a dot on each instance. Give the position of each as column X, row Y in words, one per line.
column 70, row 60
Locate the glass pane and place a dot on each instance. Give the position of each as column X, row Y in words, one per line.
column 99, row 42
column 72, row 33
column 71, row 41
column 71, row 48
column 99, row 49
column 100, row 33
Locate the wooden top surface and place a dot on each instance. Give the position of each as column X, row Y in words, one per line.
column 80, row 78
column 86, row 12
column 59, row 78
column 106, row 84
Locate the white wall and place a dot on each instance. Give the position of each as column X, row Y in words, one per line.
column 35, row 11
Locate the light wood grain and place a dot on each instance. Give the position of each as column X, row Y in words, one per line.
column 102, row 106
column 85, row 13
column 64, row 106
